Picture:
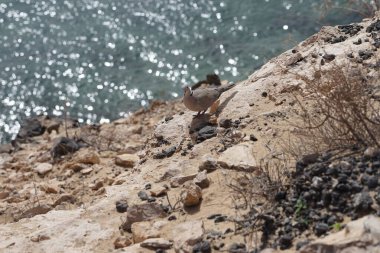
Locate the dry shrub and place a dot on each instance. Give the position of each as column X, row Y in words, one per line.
column 365, row 8
column 341, row 110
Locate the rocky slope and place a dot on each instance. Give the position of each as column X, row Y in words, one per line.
column 162, row 180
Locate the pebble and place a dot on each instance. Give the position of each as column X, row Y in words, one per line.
column 121, row 206
column 202, row 247
column 143, row 195
column 321, row 228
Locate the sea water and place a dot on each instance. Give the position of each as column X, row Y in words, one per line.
column 100, row 60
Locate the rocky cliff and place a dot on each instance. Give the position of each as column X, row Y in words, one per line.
column 162, row 180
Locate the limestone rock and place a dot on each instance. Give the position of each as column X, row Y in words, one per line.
column 181, row 179
column 158, row 191
column 43, row 168
column 202, row 180
column 156, row 243
column 187, row 234
column 238, row 157
column 39, row 238
column 87, row 156
column 192, row 195
column 147, row 229
column 360, row 236
column 41, row 209
column 126, row 160
column 122, row 242
column 86, row 171
column 143, row 212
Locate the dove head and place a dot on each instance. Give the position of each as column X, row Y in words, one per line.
column 187, row 91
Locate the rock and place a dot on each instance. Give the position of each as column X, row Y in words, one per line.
column 201, row 179
column 362, row 202
column 41, row 209
column 146, row 229
column 65, row 198
column 86, row 171
column 143, row 195
column 321, row 228
column 87, row 157
column 29, row 128
column 4, row 194
column 208, row 164
column 126, row 160
column 143, row 212
column 96, row 186
column 43, row 168
column 156, row 243
column 187, row 234
column 121, row 206
column 286, row 241
column 202, row 247
column 178, row 180
column 158, row 191
column 6, row 148
column 63, row 146
column 39, row 238
column 361, row 236
column 238, row 157
column 225, row 123
column 122, row 242
column 205, row 133
column 49, row 188
column 371, row 153
column 192, row 195
column 372, row 182
column 237, row 248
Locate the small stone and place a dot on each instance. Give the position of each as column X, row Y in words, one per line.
column 321, row 228
column 121, row 206
column 87, row 157
column 371, row 153
column 158, row 191
column 143, row 195
column 143, row 212
column 43, row 168
column 225, row 123
column 201, row 180
column 252, row 137
column 39, row 238
column 122, row 242
column 329, row 57
column 300, row 244
column 126, row 160
column 220, row 219
column 4, row 194
column 363, row 202
column 86, row 171
column 237, row 248
column 286, row 241
column 202, row 247
column 156, row 243
column 372, row 182
column 65, row 198
column 208, row 164
column 192, row 195
column 96, row 186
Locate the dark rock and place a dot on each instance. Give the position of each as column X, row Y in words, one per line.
column 165, row 153
column 148, row 186
column 63, row 146
column 331, row 220
column 377, row 197
column 237, row 248
column 300, row 244
column 350, row 29
column 321, row 228
column 358, row 42
column 213, row 216
column 168, row 118
column 143, row 195
column 286, row 241
column 365, row 54
column 375, row 26
column 228, row 230
column 220, row 219
column 329, row 57
column 202, row 247
column 362, row 202
column 121, row 206
column 225, row 123
column 281, row 195
column 264, row 94
column 143, row 212
column 372, row 182
column 252, row 138
column 30, row 128
column 205, row 133
column 209, row 165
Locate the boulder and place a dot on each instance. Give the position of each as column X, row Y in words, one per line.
column 126, row 160
column 192, row 195
column 143, row 212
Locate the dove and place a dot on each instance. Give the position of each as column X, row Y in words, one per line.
column 201, row 99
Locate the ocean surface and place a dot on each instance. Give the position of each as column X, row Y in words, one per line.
column 102, row 59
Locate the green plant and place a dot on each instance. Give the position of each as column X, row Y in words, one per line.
column 300, row 205
column 337, row 226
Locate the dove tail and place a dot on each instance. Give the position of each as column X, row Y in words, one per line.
column 226, row 87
